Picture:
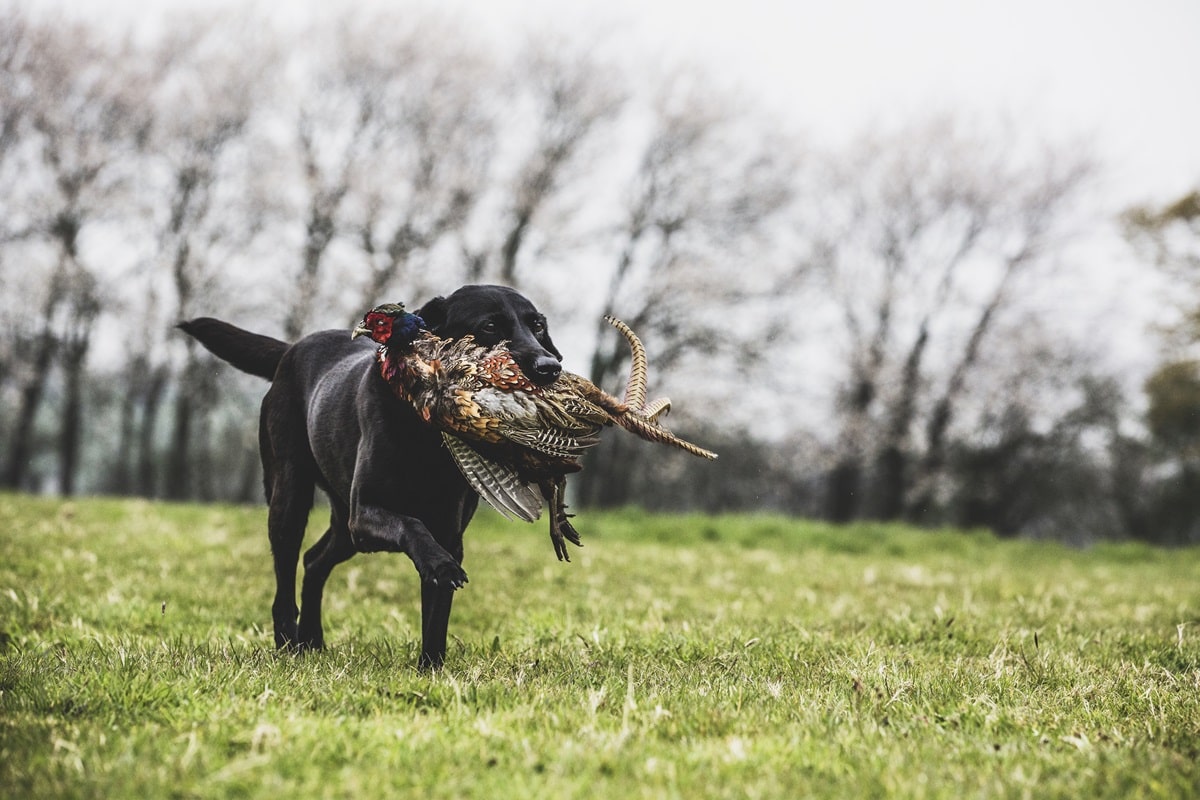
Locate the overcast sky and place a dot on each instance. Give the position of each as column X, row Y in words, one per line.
column 1119, row 78
column 1122, row 77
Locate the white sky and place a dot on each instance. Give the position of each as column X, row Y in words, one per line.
column 1122, row 77
column 1119, row 78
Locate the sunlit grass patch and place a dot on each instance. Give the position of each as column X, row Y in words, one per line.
column 676, row 656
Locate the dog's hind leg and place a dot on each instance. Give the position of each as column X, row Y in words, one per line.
column 332, row 549
column 290, row 500
column 288, row 475
column 311, row 554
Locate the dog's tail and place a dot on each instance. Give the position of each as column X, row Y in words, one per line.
column 250, row 352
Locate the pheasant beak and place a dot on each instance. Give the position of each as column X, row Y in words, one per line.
column 360, row 330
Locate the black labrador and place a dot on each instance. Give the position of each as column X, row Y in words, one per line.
column 330, row 420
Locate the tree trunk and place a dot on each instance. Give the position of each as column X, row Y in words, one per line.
column 72, row 417
column 512, row 246
column 476, row 264
column 320, row 230
column 250, row 484
column 892, row 472
column 178, row 453
column 202, row 485
column 943, row 411
column 147, row 462
column 844, row 487
column 843, row 491
column 891, row 483
column 320, row 233
column 121, row 482
column 190, row 444
column 607, row 480
column 74, row 349
column 16, row 471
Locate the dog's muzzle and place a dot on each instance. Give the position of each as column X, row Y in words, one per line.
column 546, row 370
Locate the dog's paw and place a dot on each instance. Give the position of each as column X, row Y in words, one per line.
column 310, row 636
column 448, row 574
column 285, row 635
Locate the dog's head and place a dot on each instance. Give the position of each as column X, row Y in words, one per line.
column 494, row 314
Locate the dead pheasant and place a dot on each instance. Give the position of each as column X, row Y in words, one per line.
column 514, row 441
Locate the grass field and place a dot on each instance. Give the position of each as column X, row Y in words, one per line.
column 675, row 657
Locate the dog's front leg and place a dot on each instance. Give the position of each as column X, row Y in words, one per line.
column 374, row 530
column 435, row 622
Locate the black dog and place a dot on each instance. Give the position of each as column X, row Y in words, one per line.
column 330, row 420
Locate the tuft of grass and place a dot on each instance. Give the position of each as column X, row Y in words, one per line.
column 677, row 656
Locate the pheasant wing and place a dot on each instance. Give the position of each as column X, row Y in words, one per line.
column 500, row 486
column 553, row 423
column 556, row 443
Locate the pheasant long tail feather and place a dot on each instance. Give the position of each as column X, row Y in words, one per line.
column 500, row 486
column 651, row 432
column 656, row 408
column 635, row 390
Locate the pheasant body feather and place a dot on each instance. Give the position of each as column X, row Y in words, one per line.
column 513, row 441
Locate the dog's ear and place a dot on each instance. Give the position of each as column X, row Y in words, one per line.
column 434, row 313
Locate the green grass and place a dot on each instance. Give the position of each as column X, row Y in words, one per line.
column 675, row 657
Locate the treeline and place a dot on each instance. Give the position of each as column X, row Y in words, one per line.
column 867, row 331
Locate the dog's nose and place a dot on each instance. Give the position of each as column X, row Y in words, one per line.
column 546, row 369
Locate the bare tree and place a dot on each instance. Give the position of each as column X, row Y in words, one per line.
column 926, row 234
column 398, row 153
column 704, row 200
column 424, row 161
column 570, row 98
column 340, row 104
column 83, row 118
column 17, row 36
column 74, row 346
column 206, row 89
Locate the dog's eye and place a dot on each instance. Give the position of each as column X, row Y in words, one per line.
column 538, row 326
column 488, row 328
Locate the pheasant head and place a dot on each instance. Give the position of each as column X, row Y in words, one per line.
column 390, row 324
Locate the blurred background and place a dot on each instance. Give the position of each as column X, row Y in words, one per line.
column 935, row 262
